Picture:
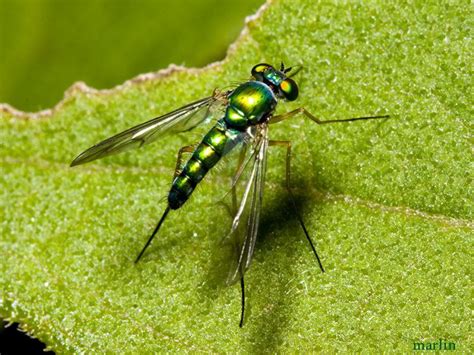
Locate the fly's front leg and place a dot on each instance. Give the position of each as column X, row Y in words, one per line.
column 302, row 110
column 287, row 145
column 179, row 161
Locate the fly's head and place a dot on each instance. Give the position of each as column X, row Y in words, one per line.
column 278, row 80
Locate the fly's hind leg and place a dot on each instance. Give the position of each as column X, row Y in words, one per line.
column 242, row 312
column 302, row 110
column 179, row 160
column 287, row 145
column 186, row 149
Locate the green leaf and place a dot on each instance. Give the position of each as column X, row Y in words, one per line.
column 389, row 203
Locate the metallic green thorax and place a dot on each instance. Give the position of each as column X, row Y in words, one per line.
column 249, row 104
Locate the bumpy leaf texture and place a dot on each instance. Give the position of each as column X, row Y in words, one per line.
column 389, row 204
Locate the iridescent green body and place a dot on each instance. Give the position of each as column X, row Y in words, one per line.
column 249, row 104
column 246, row 113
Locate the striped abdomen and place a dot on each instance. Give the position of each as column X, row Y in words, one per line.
column 249, row 104
column 214, row 145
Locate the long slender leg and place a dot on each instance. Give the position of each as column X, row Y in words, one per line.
column 234, row 211
column 162, row 219
column 186, row 149
column 302, row 110
column 242, row 288
column 287, row 145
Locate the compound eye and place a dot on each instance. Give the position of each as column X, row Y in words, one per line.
column 259, row 69
column 289, row 89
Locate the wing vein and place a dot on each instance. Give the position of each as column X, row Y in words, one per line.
column 246, row 220
column 180, row 120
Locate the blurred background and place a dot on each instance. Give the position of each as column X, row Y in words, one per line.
column 47, row 45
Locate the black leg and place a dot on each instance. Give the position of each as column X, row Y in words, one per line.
column 162, row 219
column 242, row 288
column 302, row 110
column 187, row 149
column 287, row 144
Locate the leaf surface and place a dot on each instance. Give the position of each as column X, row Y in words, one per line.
column 389, row 204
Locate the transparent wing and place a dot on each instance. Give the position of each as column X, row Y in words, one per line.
column 248, row 184
column 180, row 120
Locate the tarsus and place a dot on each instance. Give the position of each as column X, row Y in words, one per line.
column 300, row 219
column 153, row 234
column 242, row 288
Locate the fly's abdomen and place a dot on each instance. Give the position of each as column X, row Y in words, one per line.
column 206, row 155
